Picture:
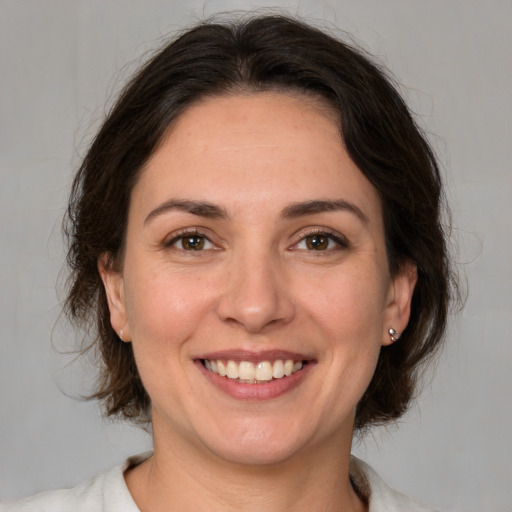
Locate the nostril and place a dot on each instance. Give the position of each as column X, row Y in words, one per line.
column 255, row 298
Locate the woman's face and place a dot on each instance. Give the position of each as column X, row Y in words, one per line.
column 252, row 241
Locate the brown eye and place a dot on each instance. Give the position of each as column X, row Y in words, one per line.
column 192, row 242
column 317, row 242
column 322, row 241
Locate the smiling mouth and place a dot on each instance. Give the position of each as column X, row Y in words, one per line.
column 247, row 372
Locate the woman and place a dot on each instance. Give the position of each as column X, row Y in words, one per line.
column 256, row 243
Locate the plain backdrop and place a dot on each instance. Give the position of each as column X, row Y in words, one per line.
column 62, row 61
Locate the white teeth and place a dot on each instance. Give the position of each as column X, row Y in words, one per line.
column 248, row 372
column 221, row 368
column 232, row 370
column 278, row 369
column 264, row 371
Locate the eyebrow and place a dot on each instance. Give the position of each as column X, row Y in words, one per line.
column 199, row 208
column 293, row 211
column 296, row 210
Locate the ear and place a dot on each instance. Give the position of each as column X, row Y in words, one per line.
column 398, row 308
column 114, row 289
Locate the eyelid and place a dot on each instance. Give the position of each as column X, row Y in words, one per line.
column 341, row 240
column 175, row 236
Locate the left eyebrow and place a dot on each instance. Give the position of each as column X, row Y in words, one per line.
column 296, row 210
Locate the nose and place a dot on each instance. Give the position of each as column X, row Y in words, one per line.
column 256, row 297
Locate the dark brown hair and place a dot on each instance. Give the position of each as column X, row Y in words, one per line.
column 260, row 54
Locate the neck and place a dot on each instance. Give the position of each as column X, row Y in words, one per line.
column 192, row 478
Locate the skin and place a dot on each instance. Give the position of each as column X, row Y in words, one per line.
column 255, row 285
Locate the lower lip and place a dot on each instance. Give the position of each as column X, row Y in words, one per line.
column 262, row 391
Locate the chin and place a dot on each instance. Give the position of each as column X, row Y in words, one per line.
column 255, row 454
column 258, row 444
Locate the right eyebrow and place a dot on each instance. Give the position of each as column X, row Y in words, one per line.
column 199, row 208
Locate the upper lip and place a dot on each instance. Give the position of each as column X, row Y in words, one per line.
column 253, row 356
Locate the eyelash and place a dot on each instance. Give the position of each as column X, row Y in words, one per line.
column 340, row 241
column 183, row 235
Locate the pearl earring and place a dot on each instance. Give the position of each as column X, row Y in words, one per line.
column 393, row 334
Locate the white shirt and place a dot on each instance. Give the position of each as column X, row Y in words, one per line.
column 107, row 492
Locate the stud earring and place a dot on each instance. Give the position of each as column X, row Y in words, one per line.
column 393, row 334
column 121, row 334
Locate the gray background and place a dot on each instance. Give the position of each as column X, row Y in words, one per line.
column 61, row 61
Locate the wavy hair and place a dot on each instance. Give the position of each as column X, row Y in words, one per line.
column 249, row 55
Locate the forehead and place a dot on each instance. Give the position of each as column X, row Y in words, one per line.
column 254, row 149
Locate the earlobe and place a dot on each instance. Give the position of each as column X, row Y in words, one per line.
column 114, row 289
column 399, row 306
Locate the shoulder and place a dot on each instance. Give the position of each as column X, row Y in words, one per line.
column 106, row 492
column 380, row 496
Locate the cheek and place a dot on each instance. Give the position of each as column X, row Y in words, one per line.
column 349, row 301
column 349, row 310
column 165, row 307
column 164, row 312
